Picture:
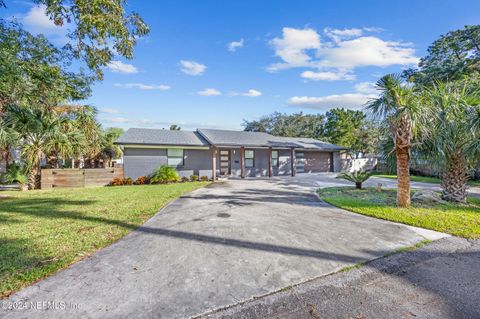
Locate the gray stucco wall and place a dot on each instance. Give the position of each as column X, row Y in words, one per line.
column 261, row 163
column 143, row 161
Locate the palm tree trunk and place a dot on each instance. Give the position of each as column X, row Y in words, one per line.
column 403, row 175
column 454, row 180
column 402, row 150
column 34, row 177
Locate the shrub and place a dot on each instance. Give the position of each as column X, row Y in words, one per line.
column 164, row 174
column 184, row 179
column 116, row 182
column 356, row 177
column 204, row 178
column 141, row 180
column 15, row 174
column 194, row 178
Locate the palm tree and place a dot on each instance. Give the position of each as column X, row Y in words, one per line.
column 358, row 177
column 40, row 132
column 400, row 107
column 454, row 142
column 110, row 150
column 86, row 123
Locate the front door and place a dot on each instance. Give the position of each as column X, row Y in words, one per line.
column 224, row 162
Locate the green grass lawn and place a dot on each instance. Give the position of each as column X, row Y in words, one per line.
column 426, row 179
column 47, row 230
column 458, row 220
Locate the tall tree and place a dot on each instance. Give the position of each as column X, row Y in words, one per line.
column 175, row 127
column 451, row 57
column 340, row 126
column 296, row 125
column 399, row 107
column 100, row 29
column 33, row 72
column 454, row 137
column 351, row 129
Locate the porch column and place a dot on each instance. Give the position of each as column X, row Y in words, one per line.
column 242, row 162
column 214, row 163
column 292, row 161
column 270, row 170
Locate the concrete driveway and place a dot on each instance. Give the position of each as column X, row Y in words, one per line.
column 214, row 247
column 322, row 180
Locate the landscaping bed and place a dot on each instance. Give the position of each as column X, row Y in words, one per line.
column 47, row 230
column 457, row 219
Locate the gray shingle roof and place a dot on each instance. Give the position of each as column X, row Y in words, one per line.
column 242, row 138
column 205, row 137
column 161, row 137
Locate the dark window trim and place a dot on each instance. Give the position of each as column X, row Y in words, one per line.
column 253, row 158
column 182, row 157
column 278, row 158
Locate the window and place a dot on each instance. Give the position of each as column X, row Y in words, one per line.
column 175, row 157
column 275, row 158
column 249, row 158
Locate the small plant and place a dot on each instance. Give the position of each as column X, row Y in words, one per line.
column 128, row 181
column 194, row 178
column 164, row 174
column 184, row 179
column 358, row 177
column 141, row 180
column 15, row 174
column 204, row 178
column 116, row 182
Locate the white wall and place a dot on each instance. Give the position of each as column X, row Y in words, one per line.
column 359, row 164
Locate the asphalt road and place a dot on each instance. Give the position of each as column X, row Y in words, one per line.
column 439, row 280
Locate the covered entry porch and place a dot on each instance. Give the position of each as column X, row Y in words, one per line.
column 247, row 161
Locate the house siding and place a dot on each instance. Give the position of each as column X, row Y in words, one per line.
column 142, row 161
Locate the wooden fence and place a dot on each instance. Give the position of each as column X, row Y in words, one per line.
column 79, row 177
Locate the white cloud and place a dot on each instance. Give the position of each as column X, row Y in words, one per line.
column 141, row 86
column 234, row 45
column 292, row 48
column 252, row 93
column 249, row 93
column 192, row 67
column 36, row 21
column 367, row 51
column 209, row 92
column 364, row 92
column 327, row 75
column 110, row 111
column 366, row 87
column 120, row 67
column 337, row 58
column 340, row 34
column 348, row 100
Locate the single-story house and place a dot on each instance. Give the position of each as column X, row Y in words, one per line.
column 212, row 153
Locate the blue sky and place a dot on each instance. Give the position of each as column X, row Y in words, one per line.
column 214, row 63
